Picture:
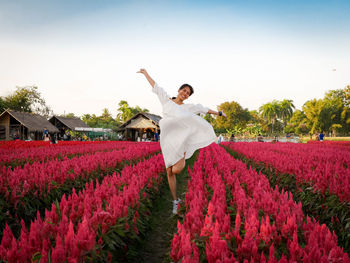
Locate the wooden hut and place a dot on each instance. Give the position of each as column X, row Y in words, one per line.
column 141, row 126
column 63, row 124
column 23, row 125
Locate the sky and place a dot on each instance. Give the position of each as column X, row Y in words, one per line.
column 83, row 55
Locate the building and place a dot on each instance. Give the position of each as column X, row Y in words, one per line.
column 141, row 126
column 64, row 124
column 23, row 125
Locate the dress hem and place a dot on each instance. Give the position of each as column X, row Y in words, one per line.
column 190, row 151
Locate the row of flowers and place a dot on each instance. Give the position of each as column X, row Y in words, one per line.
column 19, row 144
column 332, row 143
column 80, row 227
column 42, row 177
column 20, row 156
column 233, row 215
column 326, row 207
column 325, row 167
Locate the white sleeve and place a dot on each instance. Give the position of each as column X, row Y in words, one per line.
column 197, row 108
column 161, row 93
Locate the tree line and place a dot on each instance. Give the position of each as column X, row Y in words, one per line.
column 331, row 114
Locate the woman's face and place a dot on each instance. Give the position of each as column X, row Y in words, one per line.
column 184, row 93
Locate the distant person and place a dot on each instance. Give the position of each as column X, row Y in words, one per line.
column 232, row 138
column 183, row 131
column 275, row 139
column 46, row 134
column 156, row 136
column 317, row 136
column 16, row 137
column 260, row 138
column 321, row 136
column 52, row 138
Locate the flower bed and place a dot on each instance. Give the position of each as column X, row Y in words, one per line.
column 232, row 215
column 25, row 191
column 40, row 178
column 325, row 206
column 325, row 167
column 20, row 156
column 91, row 225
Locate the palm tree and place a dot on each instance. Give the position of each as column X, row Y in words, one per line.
column 286, row 113
column 271, row 111
column 124, row 111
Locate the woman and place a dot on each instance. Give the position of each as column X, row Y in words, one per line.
column 182, row 130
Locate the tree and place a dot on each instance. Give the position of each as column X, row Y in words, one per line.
column 106, row 120
column 209, row 118
column 286, row 110
column 236, row 116
column 138, row 109
column 90, row 120
column 27, row 99
column 335, row 111
column 312, row 109
column 69, row 115
column 347, row 96
column 125, row 112
column 3, row 105
column 106, row 116
column 297, row 123
column 271, row 111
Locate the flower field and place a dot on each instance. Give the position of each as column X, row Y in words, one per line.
column 112, row 178
column 88, row 202
column 325, row 166
column 233, row 215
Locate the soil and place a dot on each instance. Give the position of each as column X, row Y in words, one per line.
column 163, row 224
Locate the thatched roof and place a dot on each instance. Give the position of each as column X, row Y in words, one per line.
column 71, row 123
column 141, row 120
column 140, row 123
column 34, row 122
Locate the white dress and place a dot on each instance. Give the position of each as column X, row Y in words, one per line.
column 182, row 131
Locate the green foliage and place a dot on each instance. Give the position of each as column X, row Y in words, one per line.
column 104, row 121
column 69, row 115
column 276, row 114
column 209, row 118
column 27, row 99
column 347, row 96
column 3, row 105
column 253, row 130
column 125, row 112
column 236, row 116
column 330, row 114
column 297, row 123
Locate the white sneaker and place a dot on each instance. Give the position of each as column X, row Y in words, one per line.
column 175, row 205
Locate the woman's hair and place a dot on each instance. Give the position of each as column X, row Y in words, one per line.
column 185, row 86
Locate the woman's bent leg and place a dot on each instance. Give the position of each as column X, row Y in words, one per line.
column 179, row 166
column 172, row 182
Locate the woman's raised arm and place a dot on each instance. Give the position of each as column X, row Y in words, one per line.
column 148, row 77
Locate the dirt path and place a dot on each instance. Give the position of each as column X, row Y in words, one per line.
column 156, row 245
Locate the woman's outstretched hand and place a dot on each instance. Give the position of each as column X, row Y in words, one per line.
column 142, row 71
